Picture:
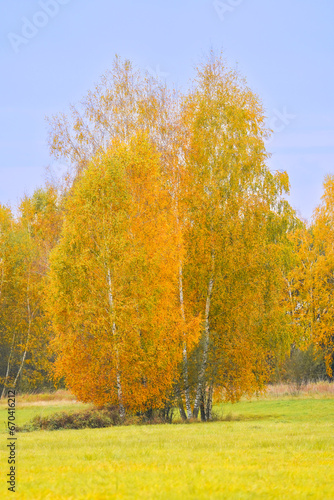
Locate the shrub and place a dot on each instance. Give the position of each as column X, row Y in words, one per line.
column 92, row 419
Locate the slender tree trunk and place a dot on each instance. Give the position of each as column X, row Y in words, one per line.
column 201, row 375
column 181, row 409
column 7, row 369
column 120, row 394
column 202, row 405
column 13, row 339
column 22, row 362
column 118, row 372
column 208, row 412
column 180, row 403
column 28, row 334
column 184, row 352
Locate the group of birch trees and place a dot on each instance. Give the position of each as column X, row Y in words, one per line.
column 25, row 244
column 170, row 264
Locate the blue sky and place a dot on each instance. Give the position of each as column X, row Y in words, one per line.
column 53, row 51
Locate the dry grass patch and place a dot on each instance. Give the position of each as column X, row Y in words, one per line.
column 320, row 389
column 42, row 399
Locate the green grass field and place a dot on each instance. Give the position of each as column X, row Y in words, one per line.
column 273, row 447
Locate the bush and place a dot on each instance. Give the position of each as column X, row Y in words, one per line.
column 92, row 419
column 106, row 416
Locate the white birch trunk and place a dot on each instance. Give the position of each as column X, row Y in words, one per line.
column 29, row 320
column 201, row 375
column 118, row 373
column 208, row 412
column 27, row 342
column 8, row 365
column 185, row 354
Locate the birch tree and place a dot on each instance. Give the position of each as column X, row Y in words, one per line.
column 25, row 246
column 113, row 283
column 310, row 284
column 125, row 102
column 227, row 231
column 234, row 202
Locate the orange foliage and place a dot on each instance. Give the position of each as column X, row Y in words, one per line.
column 175, row 242
column 311, row 284
column 113, row 282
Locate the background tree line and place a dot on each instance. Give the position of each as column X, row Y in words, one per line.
column 167, row 269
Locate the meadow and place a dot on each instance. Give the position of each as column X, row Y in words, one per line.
column 278, row 446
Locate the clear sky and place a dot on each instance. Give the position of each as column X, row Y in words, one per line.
column 53, row 51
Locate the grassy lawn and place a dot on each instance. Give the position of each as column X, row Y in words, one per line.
column 274, row 447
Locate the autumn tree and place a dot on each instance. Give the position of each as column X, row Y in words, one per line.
column 113, row 282
column 311, row 281
column 26, row 244
column 125, row 102
column 236, row 239
column 8, row 262
column 229, row 238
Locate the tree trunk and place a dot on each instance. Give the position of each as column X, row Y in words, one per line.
column 118, row 373
column 120, row 395
column 7, row 370
column 181, row 409
column 13, row 340
column 180, row 402
column 184, row 352
column 201, row 376
column 28, row 336
column 208, row 412
column 202, row 405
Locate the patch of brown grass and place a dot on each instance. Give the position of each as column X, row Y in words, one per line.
column 322, row 388
column 60, row 395
column 43, row 399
